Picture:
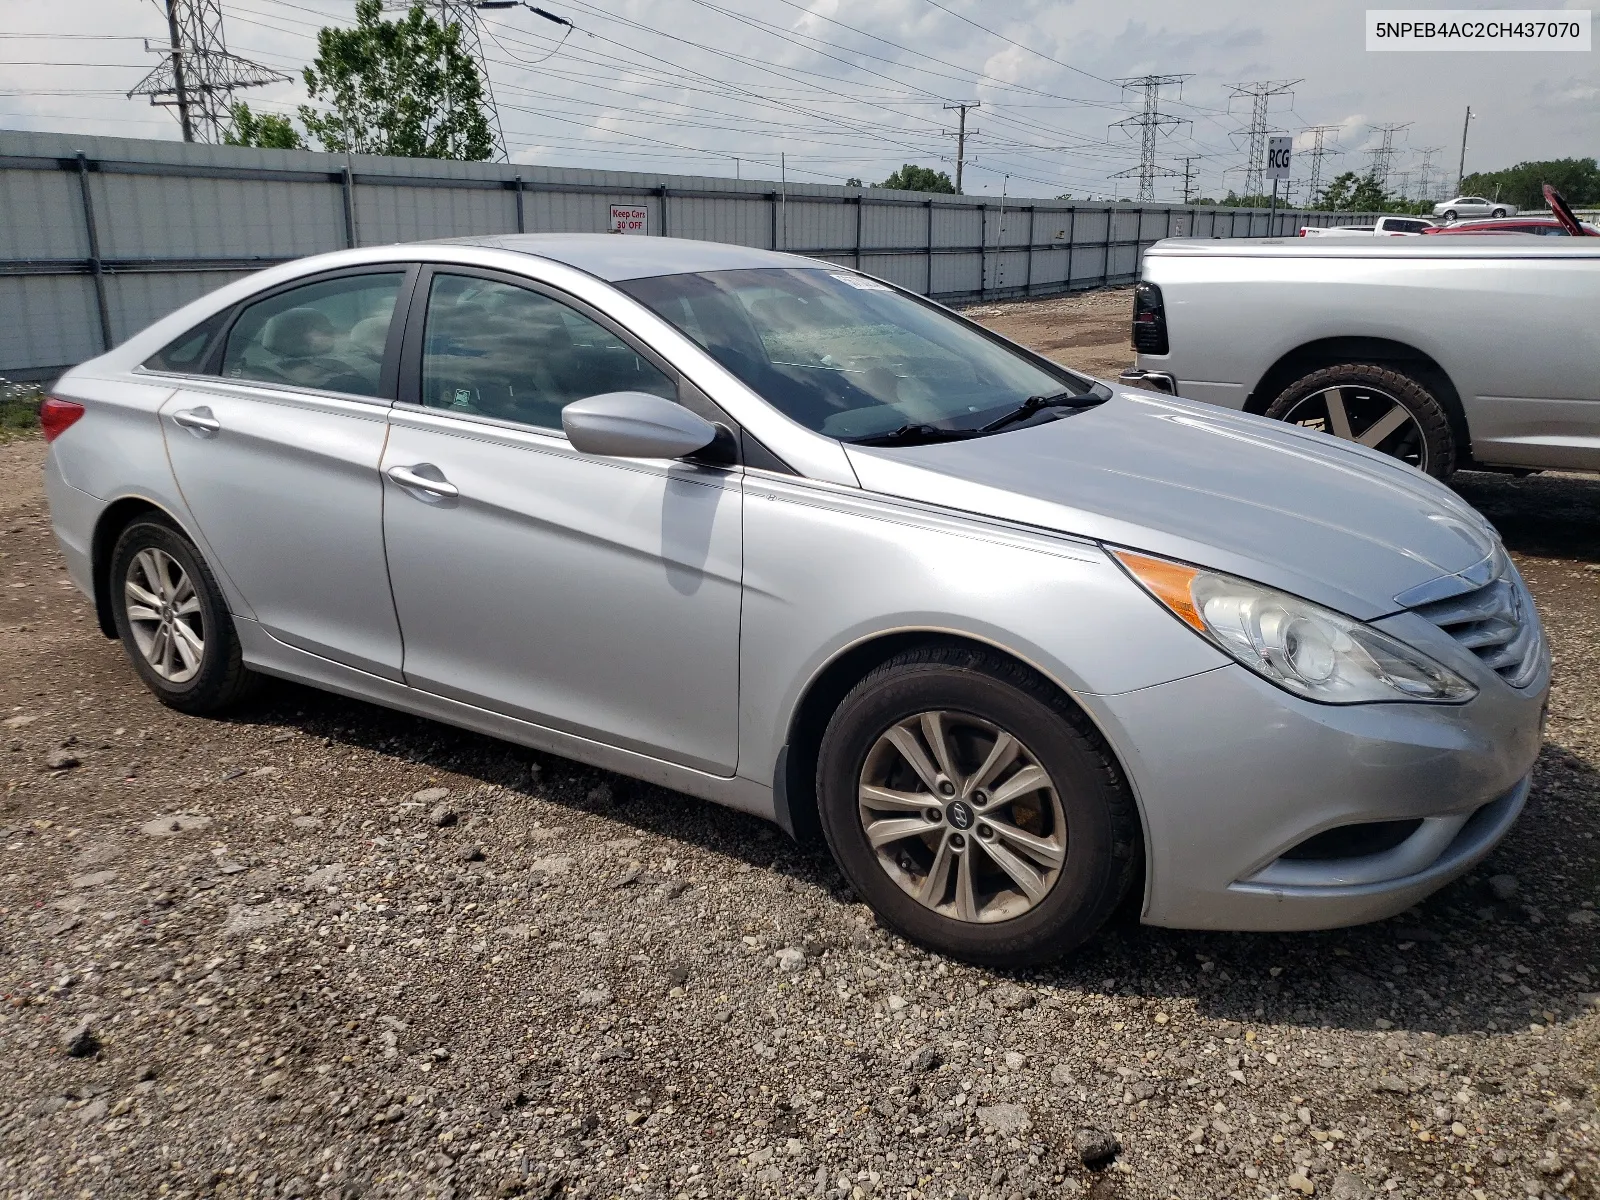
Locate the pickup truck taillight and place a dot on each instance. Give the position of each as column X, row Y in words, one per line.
column 1149, row 320
column 56, row 415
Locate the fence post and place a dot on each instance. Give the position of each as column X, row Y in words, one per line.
column 662, row 191
column 1033, row 220
column 1105, row 261
column 929, row 292
column 1072, row 242
column 860, row 201
column 521, row 225
column 983, row 251
column 96, row 268
column 772, row 197
column 347, row 185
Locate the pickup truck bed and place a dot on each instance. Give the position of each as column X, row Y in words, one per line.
column 1499, row 334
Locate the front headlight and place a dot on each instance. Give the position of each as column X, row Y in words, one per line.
column 1300, row 646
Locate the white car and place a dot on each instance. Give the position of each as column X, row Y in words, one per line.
column 1383, row 227
column 1473, row 206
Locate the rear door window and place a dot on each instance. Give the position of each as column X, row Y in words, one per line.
column 329, row 335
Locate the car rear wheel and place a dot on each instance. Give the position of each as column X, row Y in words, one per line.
column 1499, row 212
column 173, row 621
column 1379, row 407
column 975, row 809
column 1450, row 214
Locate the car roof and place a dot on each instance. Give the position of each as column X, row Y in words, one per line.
column 1479, row 244
column 615, row 257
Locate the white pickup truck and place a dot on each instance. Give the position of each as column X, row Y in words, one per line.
column 1469, row 351
column 1382, row 227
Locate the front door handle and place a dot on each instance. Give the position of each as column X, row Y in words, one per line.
column 408, row 477
column 198, row 419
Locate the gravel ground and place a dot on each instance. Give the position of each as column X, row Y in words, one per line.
column 322, row 949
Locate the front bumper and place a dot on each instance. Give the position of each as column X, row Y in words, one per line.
column 1232, row 773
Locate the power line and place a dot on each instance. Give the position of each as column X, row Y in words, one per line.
column 1150, row 122
column 198, row 76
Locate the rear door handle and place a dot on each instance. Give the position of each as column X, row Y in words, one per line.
column 408, row 477
column 198, row 419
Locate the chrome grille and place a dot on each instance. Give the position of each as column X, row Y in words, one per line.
column 1496, row 622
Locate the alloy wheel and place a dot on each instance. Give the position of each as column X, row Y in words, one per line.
column 1365, row 414
column 164, row 615
column 962, row 816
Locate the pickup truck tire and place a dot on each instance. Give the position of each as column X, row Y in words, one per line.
column 1380, row 407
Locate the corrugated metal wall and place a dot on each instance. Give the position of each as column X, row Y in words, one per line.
column 100, row 236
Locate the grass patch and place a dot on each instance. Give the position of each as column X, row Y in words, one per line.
column 19, row 409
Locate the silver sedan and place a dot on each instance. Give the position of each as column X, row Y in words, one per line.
column 780, row 535
column 1459, row 207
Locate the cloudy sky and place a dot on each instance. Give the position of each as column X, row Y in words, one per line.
column 854, row 89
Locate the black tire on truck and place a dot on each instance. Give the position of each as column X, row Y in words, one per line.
column 1381, row 406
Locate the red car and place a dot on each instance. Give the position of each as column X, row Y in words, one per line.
column 1547, row 226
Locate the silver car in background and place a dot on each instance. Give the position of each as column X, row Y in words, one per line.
column 777, row 534
column 1472, row 206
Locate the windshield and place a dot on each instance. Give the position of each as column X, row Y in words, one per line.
column 847, row 356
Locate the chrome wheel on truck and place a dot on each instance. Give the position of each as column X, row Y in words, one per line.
column 1373, row 405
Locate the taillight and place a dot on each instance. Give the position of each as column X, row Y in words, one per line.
column 57, row 416
column 1149, row 320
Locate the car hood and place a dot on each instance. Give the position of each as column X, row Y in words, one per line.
column 1325, row 519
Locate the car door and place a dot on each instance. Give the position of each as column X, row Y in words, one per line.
column 599, row 597
column 276, row 454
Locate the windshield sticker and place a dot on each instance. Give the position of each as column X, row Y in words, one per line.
column 860, row 282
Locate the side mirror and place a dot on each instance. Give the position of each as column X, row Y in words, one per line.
column 635, row 425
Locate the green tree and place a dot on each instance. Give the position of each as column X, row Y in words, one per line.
column 912, row 178
column 268, row 131
column 1350, row 192
column 404, row 87
column 853, row 181
column 1577, row 179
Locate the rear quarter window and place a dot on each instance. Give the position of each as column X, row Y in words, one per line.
column 186, row 354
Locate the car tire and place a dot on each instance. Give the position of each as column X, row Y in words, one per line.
column 1423, row 438
column 1499, row 212
column 184, row 644
column 1450, row 214
column 977, row 697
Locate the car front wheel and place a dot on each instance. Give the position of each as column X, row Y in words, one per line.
column 1384, row 409
column 174, row 622
column 975, row 809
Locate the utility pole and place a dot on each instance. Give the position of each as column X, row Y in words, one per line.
column 1260, row 93
column 961, row 137
column 1382, row 154
column 1188, row 178
column 197, row 75
column 1319, row 148
column 1461, row 169
column 1150, row 121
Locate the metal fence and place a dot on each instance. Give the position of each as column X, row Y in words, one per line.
column 101, row 236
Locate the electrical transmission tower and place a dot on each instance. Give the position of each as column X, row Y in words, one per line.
column 464, row 15
column 1382, row 154
column 1150, row 121
column 1425, row 172
column 1260, row 93
column 197, row 75
column 1319, row 149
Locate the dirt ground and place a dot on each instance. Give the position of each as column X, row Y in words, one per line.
column 322, row 949
column 1086, row 330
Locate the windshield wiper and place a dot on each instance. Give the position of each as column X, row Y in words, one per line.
column 1034, row 404
column 918, row 434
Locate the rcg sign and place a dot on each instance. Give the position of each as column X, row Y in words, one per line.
column 1278, row 149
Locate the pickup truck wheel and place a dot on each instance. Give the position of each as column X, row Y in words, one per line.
column 1381, row 408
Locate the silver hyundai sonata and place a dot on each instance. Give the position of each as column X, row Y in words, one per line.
column 775, row 533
